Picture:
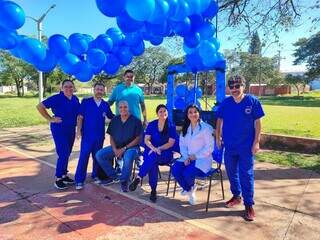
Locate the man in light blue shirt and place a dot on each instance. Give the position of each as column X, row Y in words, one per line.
column 131, row 93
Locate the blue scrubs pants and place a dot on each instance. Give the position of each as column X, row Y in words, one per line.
column 186, row 175
column 239, row 168
column 151, row 164
column 88, row 147
column 105, row 159
column 63, row 139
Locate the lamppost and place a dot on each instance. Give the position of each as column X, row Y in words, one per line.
column 39, row 28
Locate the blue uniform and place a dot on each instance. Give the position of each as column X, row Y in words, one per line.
column 132, row 94
column 152, row 161
column 238, row 134
column 93, row 134
column 63, row 133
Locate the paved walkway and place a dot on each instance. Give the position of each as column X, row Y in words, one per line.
column 287, row 202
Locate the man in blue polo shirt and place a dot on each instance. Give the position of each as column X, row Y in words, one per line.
column 91, row 126
column 132, row 94
column 125, row 132
column 239, row 128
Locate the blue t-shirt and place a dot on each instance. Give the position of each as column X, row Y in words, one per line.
column 124, row 132
column 133, row 95
column 65, row 108
column 94, row 116
column 238, row 121
column 158, row 138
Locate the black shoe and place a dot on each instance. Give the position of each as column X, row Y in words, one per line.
column 153, row 196
column 110, row 181
column 67, row 180
column 133, row 186
column 59, row 184
column 124, row 186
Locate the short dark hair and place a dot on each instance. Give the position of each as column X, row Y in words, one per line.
column 128, row 71
column 67, row 80
column 98, row 84
column 237, row 79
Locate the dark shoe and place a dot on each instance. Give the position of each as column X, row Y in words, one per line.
column 234, row 201
column 109, row 181
column 153, row 196
column 124, row 186
column 67, row 180
column 133, row 186
column 249, row 214
column 59, row 184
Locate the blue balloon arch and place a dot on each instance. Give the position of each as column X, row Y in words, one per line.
column 138, row 21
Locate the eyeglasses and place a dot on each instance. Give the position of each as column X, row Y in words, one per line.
column 236, row 86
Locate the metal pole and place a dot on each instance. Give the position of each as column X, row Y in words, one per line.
column 40, row 83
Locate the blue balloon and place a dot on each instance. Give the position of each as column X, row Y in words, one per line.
column 196, row 22
column 182, row 11
column 211, row 10
column 88, row 38
column 173, row 5
column 58, row 45
column 32, row 50
column 157, row 29
column 125, row 56
column 128, row 24
column 181, row 90
column 198, row 92
column 140, row 10
column 132, row 39
column 160, row 13
column 96, row 57
column 204, row 4
column 207, row 49
column 103, row 42
column 85, row 73
column 116, row 35
column 194, row 61
column 156, row 40
column 210, row 61
column 195, row 6
column 182, row 27
column 215, row 42
column 70, row 64
column 188, row 50
column 192, row 40
column 8, row 39
column 111, row 8
column 206, row 31
column 179, row 103
column 47, row 64
column 138, row 50
column 96, row 70
column 78, row 44
column 112, row 65
column 12, row 15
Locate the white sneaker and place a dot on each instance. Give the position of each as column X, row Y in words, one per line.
column 192, row 197
column 79, row 186
column 97, row 181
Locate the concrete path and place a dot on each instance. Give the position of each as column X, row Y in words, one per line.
column 287, row 202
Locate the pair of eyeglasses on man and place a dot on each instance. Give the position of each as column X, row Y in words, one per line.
column 236, row 86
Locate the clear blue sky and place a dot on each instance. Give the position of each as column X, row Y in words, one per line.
column 70, row 16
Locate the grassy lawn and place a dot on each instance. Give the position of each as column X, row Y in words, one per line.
column 306, row 161
column 290, row 116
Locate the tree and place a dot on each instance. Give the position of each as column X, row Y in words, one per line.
column 297, row 81
column 255, row 44
column 15, row 71
column 308, row 50
column 150, row 66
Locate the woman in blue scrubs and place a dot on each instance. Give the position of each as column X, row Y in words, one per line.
column 65, row 108
column 159, row 140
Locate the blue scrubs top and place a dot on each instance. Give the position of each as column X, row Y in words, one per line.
column 65, row 108
column 133, row 95
column 238, row 121
column 124, row 132
column 93, row 125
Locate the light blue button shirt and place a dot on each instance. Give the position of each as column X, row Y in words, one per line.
column 199, row 142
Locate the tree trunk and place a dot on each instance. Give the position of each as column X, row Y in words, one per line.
column 297, row 87
column 17, row 87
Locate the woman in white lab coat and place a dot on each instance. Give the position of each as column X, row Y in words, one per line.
column 196, row 146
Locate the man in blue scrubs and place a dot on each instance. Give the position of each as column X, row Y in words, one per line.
column 125, row 132
column 239, row 128
column 132, row 94
column 65, row 108
column 91, row 127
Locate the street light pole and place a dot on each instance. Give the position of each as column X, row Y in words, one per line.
column 39, row 28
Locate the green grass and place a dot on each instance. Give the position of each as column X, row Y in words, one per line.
column 283, row 119
column 306, row 161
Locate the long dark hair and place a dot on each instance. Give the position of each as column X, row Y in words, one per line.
column 166, row 124
column 187, row 121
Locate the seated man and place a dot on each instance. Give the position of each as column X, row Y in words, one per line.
column 125, row 131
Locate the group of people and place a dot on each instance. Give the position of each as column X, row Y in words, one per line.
column 237, row 131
